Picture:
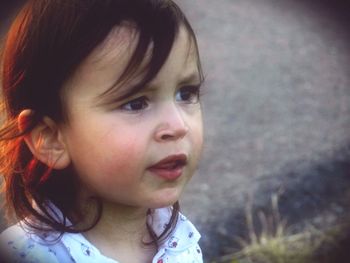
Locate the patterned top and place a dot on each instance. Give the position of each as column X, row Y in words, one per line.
column 19, row 245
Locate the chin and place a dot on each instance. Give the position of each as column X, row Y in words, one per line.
column 166, row 199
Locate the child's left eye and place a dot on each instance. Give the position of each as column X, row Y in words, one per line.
column 135, row 104
column 188, row 94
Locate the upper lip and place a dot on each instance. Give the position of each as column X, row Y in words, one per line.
column 176, row 160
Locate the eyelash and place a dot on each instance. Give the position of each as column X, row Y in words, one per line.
column 192, row 91
column 141, row 103
column 192, row 94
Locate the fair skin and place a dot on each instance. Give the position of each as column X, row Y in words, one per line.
column 112, row 145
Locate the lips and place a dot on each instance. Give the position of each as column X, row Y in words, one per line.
column 170, row 168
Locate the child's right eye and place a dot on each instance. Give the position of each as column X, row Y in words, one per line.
column 135, row 104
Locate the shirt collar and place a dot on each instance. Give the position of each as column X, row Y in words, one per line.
column 184, row 236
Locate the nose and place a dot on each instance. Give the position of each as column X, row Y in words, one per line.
column 172, row 125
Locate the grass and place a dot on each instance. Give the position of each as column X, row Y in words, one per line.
column 276, row 243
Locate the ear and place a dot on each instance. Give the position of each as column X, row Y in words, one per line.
column 45, row 141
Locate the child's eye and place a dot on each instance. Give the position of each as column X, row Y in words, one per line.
column 135, row 104
column 188, row 94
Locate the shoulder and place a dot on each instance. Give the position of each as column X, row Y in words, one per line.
column 18, row 245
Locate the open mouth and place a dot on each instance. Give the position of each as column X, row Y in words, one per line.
column 170, row 167
column 171, row 162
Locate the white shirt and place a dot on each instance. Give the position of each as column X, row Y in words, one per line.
column 20, row 245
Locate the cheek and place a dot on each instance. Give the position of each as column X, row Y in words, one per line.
column 112, row 167
column 100, row 156
column 198, row 141
column 198, row 134
column 119, row 155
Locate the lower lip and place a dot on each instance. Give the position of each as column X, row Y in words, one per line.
column 167, row 174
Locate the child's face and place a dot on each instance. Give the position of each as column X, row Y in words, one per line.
column 115, row 147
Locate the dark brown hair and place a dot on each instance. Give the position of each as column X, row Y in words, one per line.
column 46, row 43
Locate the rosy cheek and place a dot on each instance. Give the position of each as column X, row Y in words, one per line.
column 122, row 157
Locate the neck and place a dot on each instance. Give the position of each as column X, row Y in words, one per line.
column 121, row 222
column 121, row 232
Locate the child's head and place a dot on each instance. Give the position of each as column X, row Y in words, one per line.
column 101, row 98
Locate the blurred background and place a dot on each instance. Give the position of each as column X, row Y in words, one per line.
column 276, row 108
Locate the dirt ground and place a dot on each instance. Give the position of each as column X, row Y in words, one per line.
column 277, row 115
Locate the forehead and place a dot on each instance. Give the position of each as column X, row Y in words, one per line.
column 118, row 46
column 104, row 66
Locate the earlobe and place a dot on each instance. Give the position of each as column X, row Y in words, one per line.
column 45, row 141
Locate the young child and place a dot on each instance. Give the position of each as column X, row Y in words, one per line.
column 102, row 132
